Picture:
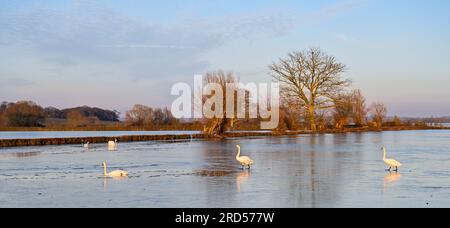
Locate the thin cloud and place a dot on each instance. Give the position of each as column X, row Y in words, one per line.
column 100, row 40
column 348, row 39
column 334, row 10
column 15, row 82
column 146, row 46
column 351, row 40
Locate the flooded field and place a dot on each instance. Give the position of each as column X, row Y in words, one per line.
column 341, row 170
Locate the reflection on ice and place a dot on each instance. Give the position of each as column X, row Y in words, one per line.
column 26, row 154
column 241, row 178
column 341, row 170
column 390, row 178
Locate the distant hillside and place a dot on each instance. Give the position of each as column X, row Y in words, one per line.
column 101, row 114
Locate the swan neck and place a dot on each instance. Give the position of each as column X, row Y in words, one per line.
column 104, row 169
column 238, row 153
column 384, row 153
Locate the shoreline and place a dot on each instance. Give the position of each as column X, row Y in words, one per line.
column 5, row 143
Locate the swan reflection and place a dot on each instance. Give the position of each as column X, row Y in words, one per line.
column 390, row 178
column 242, row 177
column 107, row 179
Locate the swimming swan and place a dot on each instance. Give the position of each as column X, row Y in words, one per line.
column 390, row 162
column 115, row 173
column 244, row 160
column 112, row 145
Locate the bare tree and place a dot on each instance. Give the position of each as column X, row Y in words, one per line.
column 168, row 117
column 289, row 118
column 158, row 117
column 350, row 106
column 24, row 114
column 343, row 110
column 359, row 107
column 378, row 111
column 139, row 115
column 218, row 125
column 311, row 77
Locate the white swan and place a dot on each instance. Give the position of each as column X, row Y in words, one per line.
column 86, row 145
column 112, row 145
column 244, row 160
column 115, row 173
column 390, row 162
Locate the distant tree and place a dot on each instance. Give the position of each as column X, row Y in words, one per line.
column 289, row 119
column 139, row 115
column 52, row 112
column 3, row 120
column 350, row 107
column 343, row 110
column 158, row 117
column 101, row 114
column 378, row 112
column 24, row 114
column 168, row 117
column 359, row 108
column 3, row 106
column 76, row 119
column 313, row 78
column 397, row 121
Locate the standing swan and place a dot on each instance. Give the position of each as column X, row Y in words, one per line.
column 244, row 160
column 390, row 162
column 112, row 145
column 115, row 173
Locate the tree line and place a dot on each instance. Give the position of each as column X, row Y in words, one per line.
column 144, row 116
column 30, row 114
column 314, row 96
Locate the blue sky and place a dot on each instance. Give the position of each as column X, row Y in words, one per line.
column 115, row 53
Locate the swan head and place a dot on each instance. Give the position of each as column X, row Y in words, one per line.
column 237, row 146
column 104, row 164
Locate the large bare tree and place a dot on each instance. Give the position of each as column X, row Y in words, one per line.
column 311, row 77
column 218, row 125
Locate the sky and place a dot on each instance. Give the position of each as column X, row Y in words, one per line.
column 113, row 54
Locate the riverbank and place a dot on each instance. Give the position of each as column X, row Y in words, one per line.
column 181, row 137
column 125, row 138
